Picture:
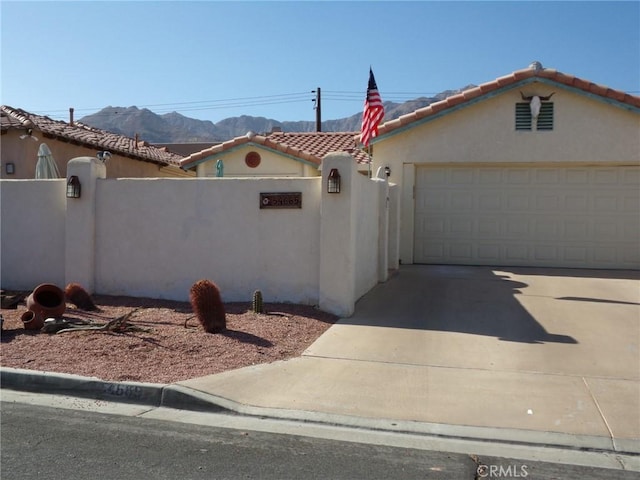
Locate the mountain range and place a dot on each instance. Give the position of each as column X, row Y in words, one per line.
column 176, row 128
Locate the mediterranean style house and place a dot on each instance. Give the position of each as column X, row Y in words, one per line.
column 536, row 168
column 278, row 154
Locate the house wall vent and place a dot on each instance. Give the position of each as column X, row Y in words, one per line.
column 524, row 119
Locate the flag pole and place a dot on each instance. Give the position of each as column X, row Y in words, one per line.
column 371, row 116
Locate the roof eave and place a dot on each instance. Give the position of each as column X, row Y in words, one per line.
column 499, row 91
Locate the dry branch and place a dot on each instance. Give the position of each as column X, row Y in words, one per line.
column 118, row 325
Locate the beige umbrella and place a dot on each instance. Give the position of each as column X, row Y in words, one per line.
column 46, row 166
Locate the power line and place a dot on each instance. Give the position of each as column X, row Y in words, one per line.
column 345, row 96
column 205, row 104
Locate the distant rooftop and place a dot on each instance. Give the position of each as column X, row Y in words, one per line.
column 309, row 147
column 81, row 134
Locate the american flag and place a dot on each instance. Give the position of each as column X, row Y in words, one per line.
column 373, row 112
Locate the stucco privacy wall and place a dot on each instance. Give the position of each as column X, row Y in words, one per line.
column 156, row 237
column 366, row 232
column 170, row 233
column 32, row 231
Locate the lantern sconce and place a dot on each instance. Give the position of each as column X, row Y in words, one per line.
column 73, row 187
column 333, row 181
column 387, row 171
column 10, row 168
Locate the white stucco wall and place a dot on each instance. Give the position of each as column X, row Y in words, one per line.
column 367, row 214
column 32, row 231
column 157, row 237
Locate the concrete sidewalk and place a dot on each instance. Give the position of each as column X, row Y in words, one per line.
column 532, row 356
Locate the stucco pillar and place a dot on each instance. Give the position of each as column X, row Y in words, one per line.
column 338, row 238
column 80, row 239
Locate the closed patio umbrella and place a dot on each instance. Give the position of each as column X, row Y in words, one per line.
column 46, row 166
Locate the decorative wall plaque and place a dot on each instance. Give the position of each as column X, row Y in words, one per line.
column 281, row 200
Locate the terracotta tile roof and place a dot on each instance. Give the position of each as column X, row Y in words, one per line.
column 87, row 136
column 520, row 77
column 310, row 147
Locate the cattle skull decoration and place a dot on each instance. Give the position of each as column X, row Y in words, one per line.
column 535, row 101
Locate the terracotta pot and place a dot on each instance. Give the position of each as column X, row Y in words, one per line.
column 47, row 300
column 31, row 320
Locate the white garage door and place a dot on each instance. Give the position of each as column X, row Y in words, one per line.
column 584, row 217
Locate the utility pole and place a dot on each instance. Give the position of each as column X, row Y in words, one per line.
column 318, row 110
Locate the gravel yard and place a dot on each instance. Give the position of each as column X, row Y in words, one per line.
column 171, row 345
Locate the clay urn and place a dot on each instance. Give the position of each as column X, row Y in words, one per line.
column 31, row 321
column 47, row 300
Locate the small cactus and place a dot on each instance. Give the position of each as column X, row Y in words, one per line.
column 257, row 302
column 208, row 307
column 79, row 297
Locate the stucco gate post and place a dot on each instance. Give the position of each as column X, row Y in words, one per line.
column 338, row 238
column 80, row 225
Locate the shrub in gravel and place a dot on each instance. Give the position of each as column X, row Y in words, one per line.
column 207, row 305
column 76, row 294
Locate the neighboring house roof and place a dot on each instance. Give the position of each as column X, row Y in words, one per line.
column 308, row 147
column 534, row 73
column 84, row 135
column 186, row 149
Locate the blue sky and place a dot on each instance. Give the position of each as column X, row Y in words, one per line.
column 212, row 60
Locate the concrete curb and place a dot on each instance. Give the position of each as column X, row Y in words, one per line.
column 183, row 398
column 78, row 386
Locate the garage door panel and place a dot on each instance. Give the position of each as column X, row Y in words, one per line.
column 489, row 252
column 461, row 202
column 546, row 229
column 576, row 230
column 548, row 176
column 550, row 216
column 576, row 255
column 489, row 228
column 462, row 177
column 517, row 201
column 631, row 203
column 490, row 176
column 576, row 203
column 606, row 176
column 578, row 176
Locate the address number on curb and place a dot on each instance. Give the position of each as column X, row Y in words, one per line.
column 130, row 392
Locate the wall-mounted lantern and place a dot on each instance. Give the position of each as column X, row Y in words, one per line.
column 10, row 168
column 387, row 171
column 73, row 187
column 333, row 181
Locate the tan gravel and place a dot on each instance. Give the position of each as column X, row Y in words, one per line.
column 168, row 351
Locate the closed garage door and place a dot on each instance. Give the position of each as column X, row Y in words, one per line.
column 584, row 217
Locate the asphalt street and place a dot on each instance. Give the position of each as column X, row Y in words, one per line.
column 60, row 443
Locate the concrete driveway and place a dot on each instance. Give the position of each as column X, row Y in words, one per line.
column 554, row 321
column 535, row 355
